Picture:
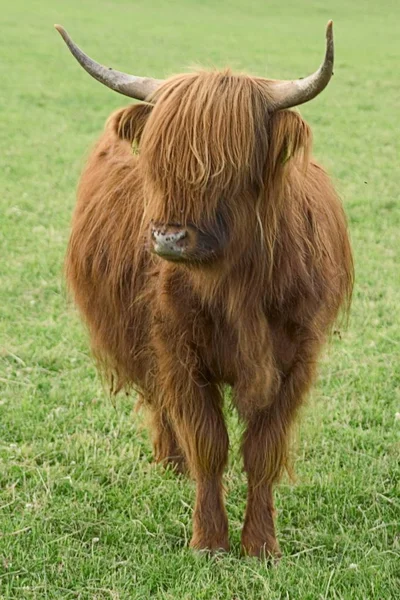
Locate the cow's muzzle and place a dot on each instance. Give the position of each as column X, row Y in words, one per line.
column 188, row 243
column 171, row 242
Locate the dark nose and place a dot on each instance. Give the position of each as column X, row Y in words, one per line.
column 168, row 241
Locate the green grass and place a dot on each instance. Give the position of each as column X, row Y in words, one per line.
column 83, row 511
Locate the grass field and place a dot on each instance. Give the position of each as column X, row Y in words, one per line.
column 83, row 511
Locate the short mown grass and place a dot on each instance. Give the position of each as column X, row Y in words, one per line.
column 83, row 511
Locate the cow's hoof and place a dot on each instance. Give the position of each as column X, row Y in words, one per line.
column 209, row 546
column 263, row 549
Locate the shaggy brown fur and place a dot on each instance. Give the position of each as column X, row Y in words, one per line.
column 212, row 153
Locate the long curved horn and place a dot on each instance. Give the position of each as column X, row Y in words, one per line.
column 286, row 94
column 128, row 85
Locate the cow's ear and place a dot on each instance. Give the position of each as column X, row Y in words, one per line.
column 129, row 122
column 289, row 137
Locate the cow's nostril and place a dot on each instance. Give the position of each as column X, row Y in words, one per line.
column 180, row 235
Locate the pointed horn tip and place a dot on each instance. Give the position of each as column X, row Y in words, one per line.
column 329, row 29
column 62, row 31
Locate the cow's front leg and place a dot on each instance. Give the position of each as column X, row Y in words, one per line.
column 264, row 455
column 265, row 443
column 199, row 424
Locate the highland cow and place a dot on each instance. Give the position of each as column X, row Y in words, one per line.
column 208, row 249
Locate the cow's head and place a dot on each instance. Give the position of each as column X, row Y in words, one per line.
column 206, row 142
